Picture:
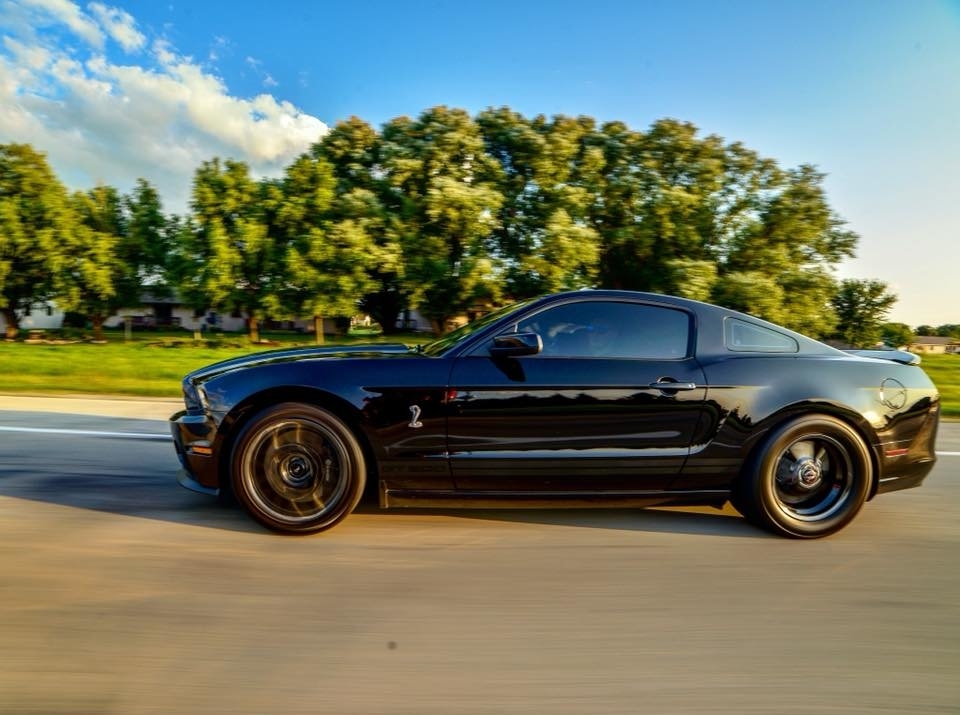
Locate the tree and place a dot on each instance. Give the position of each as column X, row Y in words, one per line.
column 98, row 277
column 861, row 306
column 149, row 238
column 948, row 330
column 545, row 171
column 806, row 302
column 118, row 245
column 445, row 203
column 687, row 215
column 897, row 335
column 329, row 253
column 693, row 279
column 363, row 197
column 230, row 259
column 792, row 236
column 752, row 292
column 661, row 201
column 35, row 232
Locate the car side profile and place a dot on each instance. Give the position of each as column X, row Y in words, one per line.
column 586, row 398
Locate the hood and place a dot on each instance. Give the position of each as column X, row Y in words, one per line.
column 296, row 354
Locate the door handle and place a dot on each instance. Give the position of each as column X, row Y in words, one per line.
column 668, row 383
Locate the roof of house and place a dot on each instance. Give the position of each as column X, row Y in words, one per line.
column 934, row 340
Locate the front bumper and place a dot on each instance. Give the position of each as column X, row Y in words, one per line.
column 194, row 438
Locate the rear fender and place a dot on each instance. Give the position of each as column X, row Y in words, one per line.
column 855, row 420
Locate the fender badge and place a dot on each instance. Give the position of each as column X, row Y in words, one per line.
column 415, row 422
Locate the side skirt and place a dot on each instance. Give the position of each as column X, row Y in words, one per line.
column 409, row 498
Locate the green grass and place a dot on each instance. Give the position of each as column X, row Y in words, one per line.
column 153, row 364
column 944, row 370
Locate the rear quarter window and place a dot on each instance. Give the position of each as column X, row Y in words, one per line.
column 741, row 336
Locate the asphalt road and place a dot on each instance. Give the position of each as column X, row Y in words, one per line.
column 122, row 593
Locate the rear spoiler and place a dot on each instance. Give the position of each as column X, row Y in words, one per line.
column 900, row 356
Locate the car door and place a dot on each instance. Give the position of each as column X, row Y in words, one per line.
column 610, row 403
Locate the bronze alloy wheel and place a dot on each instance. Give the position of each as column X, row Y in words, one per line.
column 297, row 468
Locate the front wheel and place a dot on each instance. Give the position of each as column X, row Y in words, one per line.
column 297, row 468
column 809, row 479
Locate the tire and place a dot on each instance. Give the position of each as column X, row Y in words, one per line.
column 297, row 469
column 809, row 479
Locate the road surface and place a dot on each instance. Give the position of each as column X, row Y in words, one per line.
column 122, row 593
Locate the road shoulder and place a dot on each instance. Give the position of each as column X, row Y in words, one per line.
column 159, row 408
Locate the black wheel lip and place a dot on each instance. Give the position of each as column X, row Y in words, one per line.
column 289, row 519
column 759, row 500
column 837, row 501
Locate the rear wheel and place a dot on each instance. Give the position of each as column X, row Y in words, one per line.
column 297, row 468
column 809, row 479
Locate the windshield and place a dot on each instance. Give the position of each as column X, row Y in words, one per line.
column 441, row 345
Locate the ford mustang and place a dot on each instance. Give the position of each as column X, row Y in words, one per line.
column 586, row 398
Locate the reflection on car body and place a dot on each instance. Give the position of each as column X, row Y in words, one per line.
column 574, row 399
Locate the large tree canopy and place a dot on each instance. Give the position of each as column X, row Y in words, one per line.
column 451, row 214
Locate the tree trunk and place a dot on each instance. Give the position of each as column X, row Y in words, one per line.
column 385, row 307
column 254, row 325
column 318, row 328
column 439, row 325
column 388, row 321
column 13, row 323
column 97, row 321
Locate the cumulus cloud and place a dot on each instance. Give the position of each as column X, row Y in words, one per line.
column 120, row 25
column 69, row 14
column 104, row 119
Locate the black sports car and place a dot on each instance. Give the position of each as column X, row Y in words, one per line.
column 576, row 399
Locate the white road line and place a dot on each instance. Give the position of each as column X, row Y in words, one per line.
column 948, row 454
column 150, row 436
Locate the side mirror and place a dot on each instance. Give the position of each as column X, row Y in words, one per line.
column 516, row 344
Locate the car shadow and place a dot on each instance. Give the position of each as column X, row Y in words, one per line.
column 677, row 520
column 130, row 495
column 141, row 497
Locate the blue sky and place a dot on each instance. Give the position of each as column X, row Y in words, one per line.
column 868, row 90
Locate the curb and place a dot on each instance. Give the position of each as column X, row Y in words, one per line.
column 145, row 408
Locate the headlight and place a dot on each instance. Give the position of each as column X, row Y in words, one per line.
column 192, row 396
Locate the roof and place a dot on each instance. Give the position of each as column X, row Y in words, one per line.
column 934, row 340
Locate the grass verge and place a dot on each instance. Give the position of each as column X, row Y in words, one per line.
column 152, row 365
column 944, row 370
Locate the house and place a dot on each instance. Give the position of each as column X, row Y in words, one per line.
column 934, row 344
column 43, row 316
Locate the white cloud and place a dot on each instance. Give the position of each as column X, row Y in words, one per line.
column 72, row 16
column 103, row 120
column 120, row 25
column 217, row 48
column 29, row 58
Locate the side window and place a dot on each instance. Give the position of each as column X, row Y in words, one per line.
column 741, row 336
column 611, row 329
